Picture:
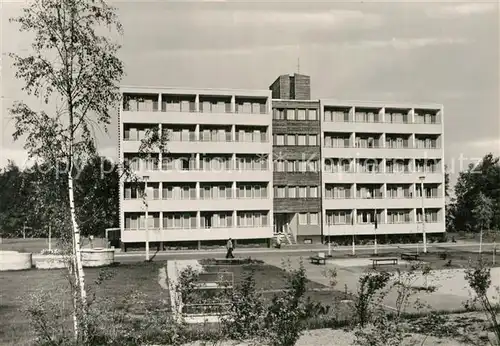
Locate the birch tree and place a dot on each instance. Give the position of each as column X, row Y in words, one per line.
column 73, row 68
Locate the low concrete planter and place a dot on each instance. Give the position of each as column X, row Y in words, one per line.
column 13, row 260
column 97, row 257
column 50, row 262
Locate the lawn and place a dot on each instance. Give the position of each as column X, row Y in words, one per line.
column 35, row 245
column 17, row 286
column 266, row 277
column 125, row 279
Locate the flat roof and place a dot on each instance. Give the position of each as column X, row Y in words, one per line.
column 192, row 91
column 379, row 104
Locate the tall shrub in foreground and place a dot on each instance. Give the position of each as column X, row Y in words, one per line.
column 286, row 315
column 478, row 276
column 244, row 319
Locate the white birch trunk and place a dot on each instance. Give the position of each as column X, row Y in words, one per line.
column 76, row 241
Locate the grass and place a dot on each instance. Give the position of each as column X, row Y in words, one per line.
column 17, row 286
column 35, row 245
column 125, row 279
column 267, row 277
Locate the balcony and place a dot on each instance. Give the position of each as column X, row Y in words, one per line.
column 382, row 228
column 200, row 175
column 165, row 235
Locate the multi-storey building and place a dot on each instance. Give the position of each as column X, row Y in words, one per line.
column 215, row 180
column 376, row 157
column 297, row 161
column 249, row 164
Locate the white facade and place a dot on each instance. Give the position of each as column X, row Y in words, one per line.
column 374, row 157
column 215, row 180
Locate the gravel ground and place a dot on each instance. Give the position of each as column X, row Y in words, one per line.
column 337, row 337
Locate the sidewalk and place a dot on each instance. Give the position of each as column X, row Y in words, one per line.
column 300, row 248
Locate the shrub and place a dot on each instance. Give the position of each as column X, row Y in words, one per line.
column 244, row 319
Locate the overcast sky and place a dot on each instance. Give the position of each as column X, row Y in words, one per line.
column 440, row 52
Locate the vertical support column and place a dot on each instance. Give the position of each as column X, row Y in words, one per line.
column 197, row 103
column 235, row 219
column 382, row 115
column 159, row 103
column 233, row 162
column 199, row 244
column 198, row 220
column 354, row 190
column 198, row 191
column 384, row 216
column 160, row 154
column 413, row 141
column 233, row 133
column 234, row 192
column 233, row 104
column 161, row 220
column 382, row 141
column 384, row 190
column 197, row 132
column 411, row 116
column 197, row 161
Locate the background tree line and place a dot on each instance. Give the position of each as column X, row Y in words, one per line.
column 476, row 201
column 37, row 197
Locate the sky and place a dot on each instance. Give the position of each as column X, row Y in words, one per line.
column 396, row 51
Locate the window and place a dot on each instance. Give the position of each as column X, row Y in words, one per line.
column 290, row 140
column 398, row 216
column 302, row 191
column 279, row 114
column 290, row 166
column 252, row 219
column 301, row 140
column 338, row 217
column 313, row 218
column 292, row 192
column 280, row 139
column 280, row 192
column 290, row 114
column 312, row 166
column 279, row 166
column 313, row 140
column 300, row 166
column 303, row 219
column 313, row 191
column 301, row 114
column 313, row 114
column 327, row 115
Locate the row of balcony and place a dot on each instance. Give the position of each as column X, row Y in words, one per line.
column 195, row 103
column 381, row 115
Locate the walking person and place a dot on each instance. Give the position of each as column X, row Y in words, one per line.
column 278, row 241
column 229, row 247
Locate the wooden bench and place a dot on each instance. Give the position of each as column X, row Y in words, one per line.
column 381, row 261
column 409, row 256
column 317, row 260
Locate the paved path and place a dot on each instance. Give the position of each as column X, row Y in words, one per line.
column 451, row 294
column 296, row 250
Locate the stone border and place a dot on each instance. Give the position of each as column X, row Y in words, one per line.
column 97, row 257
column 13, row 260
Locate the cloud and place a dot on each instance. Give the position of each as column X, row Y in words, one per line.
column 317, row 18
column 406, row 43
column 487, row 145
column 463, row 9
